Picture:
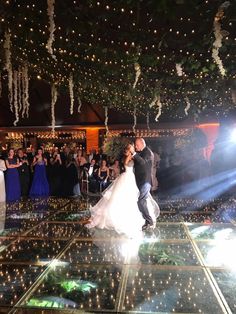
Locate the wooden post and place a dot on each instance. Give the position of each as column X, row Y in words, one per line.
column 92, row 139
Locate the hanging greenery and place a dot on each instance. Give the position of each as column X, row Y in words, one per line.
column 119, row 51
column 114, row 146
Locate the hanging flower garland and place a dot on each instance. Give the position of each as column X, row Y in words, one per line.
column 135, row 118
column 219, row 34
column 186, row 109
column 106, row 120
column 137, row 74
column 15, row 84
column 157, row 101
column 50, row 12
column 19, row 82
column 20, row 95
column 54, row 94
column 8, row 67
column 71, row 91
column 25, row 91
column 80, row 104
column 159, row 105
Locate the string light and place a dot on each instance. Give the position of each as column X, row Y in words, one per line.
column 76, row 46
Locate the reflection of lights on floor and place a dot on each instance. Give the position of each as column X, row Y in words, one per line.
column 196, row 232
column 223, row 253
column 222, row 234
column 91, row 272
column 131, row 246
column 57, row 263
column 2, row 248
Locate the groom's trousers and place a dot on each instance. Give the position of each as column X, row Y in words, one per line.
column 144, row 190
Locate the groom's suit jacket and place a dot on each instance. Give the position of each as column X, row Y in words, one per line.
column 143, row 162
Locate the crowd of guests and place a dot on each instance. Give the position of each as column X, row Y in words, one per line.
column 66, row 172
column 56, row 172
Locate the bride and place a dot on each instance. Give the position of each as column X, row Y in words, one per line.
column 118, row 209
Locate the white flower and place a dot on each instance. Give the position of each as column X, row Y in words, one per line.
column 106, row 120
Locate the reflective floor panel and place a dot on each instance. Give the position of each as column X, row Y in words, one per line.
column 50, row 262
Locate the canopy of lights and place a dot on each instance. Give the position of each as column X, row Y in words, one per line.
column 143, row 57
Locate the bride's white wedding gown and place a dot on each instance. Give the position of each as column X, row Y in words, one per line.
column 118, row 209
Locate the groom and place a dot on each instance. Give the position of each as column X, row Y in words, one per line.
column 143, row 160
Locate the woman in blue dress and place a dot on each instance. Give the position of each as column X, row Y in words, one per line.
column 40, row 186
column 13, row 191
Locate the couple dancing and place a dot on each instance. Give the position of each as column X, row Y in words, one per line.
column 127, row 205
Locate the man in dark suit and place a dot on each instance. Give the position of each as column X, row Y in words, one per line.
column 91, row 170
column 143, row 161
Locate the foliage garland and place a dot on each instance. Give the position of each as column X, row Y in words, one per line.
column 100, row 42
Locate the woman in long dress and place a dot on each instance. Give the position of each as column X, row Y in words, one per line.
column 55, row 174
column 13, row 190
column 24, row 173
column 118, row 209
column 2, row 181
column 40, row 186
column 70, row 178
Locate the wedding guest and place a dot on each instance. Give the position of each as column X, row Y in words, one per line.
column 13, row 191
column 65, row 154
column 55, row 174
column 50, row 154
column 103, row 175
column 115, row 169
column 91, row 154
column 91, row 174
column 24, row 173
column 99, row 156
column 80, row 159
column 2, row 181
column 31, row 154
column 70, row 177
column 40, row 186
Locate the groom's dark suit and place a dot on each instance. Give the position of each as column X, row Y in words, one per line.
column 143, row 167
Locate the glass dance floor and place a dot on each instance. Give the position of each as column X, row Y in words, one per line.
column 50, row 262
